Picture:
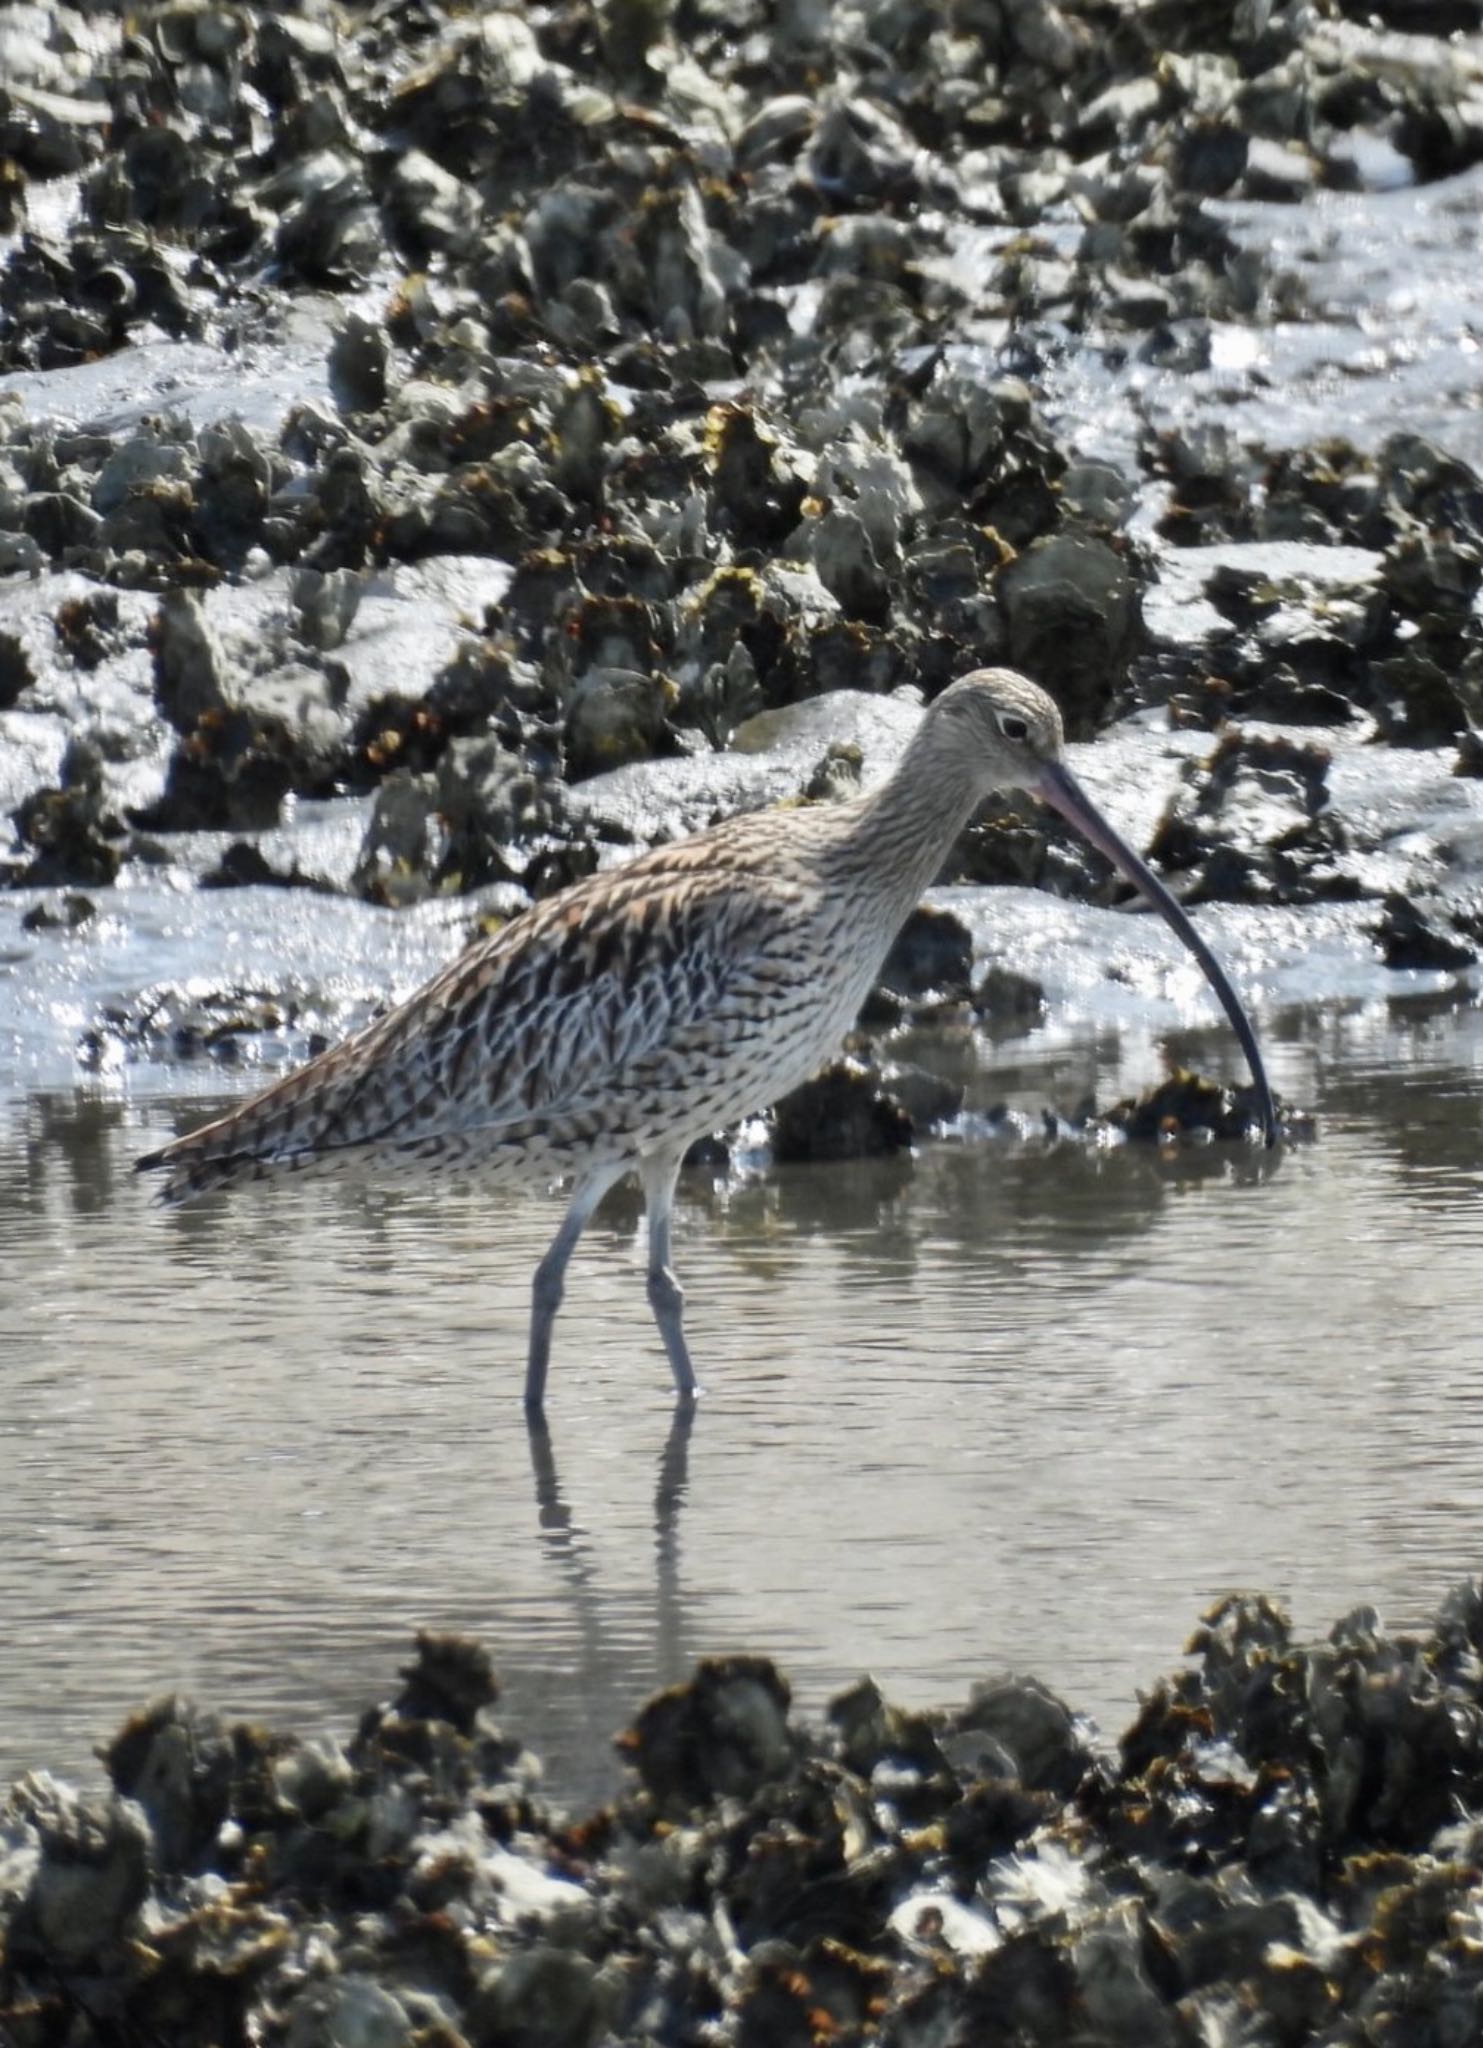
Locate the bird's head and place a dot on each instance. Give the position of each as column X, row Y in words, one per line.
column 1011, row 731
column 1005, row 724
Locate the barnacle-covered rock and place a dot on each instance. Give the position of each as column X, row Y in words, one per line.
column 189, row 666
column 931, row 954
column 1190, row 1108
column 348, row 2012
column 726, row 1733
column 848, row 565
column 1038, row 1733
column 91, row 1877
column 1253, row 824
column 615, row 715
column 324, row 606
column 1408, row 936
column 481, row 817
column 69, row 834
column 357, row 365
column 1418, row 703
column 847, row 1112
column 980, row 447
column 185, row 1024
column 276, row 733
column 231, row 492
column 16, row 674
column 60, row 914
column 1008, row 1001
column 402, row 841
column 541, row 1997
column 176, row 1764
column 1288, row 1830
column 1069, row 604
column 756, row 490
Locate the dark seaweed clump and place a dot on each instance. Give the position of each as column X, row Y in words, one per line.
column 1285, row 1848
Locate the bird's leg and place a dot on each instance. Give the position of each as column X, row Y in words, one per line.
column 545, row 1294
column 666, row 1296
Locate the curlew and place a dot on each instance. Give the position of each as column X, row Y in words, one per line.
column 604, row 1030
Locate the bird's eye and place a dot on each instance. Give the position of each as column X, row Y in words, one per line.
column 1013, row 726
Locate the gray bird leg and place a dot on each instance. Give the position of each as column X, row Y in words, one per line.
column 545, row 1294
column 666, row 1296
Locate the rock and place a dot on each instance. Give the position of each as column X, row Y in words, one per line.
column 91, row 1877
column 177, row 1023
column 843, row 1114
column 189, row 667
column 1190, row 1107
column 229, row 776
column 69, row 833
column 837, row 777
column 1008, row 1001
column 1210, row 156
column 357, row 365
column 452, row 1680
column 540, row 1997
column 16, row 676
column 402, row 843
column 1433, row 579
column 1276, row 170
column 929, row 1100
column 500, row 821
column 615, row 715
column 723, row 1735
column 352, row 2012
column 932, row 954
column 1407, row 937
column 1416, row 702
column 1069, row 606
column 324, row 606
column 979, row 447
column 1277, row 1808
column 232, row 494
column 1036, row 1730
column 1252, row 822
column 585, row 423
column 64, row 913
column 848, row 566
column 244, row 866
column 176, row 1764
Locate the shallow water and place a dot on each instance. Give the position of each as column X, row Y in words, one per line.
column 1005, row 1405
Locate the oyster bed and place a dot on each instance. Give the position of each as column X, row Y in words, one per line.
column 1284, row 1848
column 442, row 452
column 502, row 424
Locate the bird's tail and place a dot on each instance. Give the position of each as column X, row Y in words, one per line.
column 190, row 1174
column 275, row 1132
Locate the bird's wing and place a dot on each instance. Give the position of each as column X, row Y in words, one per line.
column 536, row 1022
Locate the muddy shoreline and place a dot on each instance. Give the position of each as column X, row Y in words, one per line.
column 508, row 430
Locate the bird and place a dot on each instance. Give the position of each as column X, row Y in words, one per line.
column 606, row 1028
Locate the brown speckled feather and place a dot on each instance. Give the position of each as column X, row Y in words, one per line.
column 573, row 1027
column 608, row 1028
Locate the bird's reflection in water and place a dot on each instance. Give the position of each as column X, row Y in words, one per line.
column 567, row 1543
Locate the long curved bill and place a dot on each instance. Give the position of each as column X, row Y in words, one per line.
column 1058, row 787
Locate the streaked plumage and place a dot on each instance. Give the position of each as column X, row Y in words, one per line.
column 606, row 1029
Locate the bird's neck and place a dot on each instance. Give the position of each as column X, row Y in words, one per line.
column 901, row 832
